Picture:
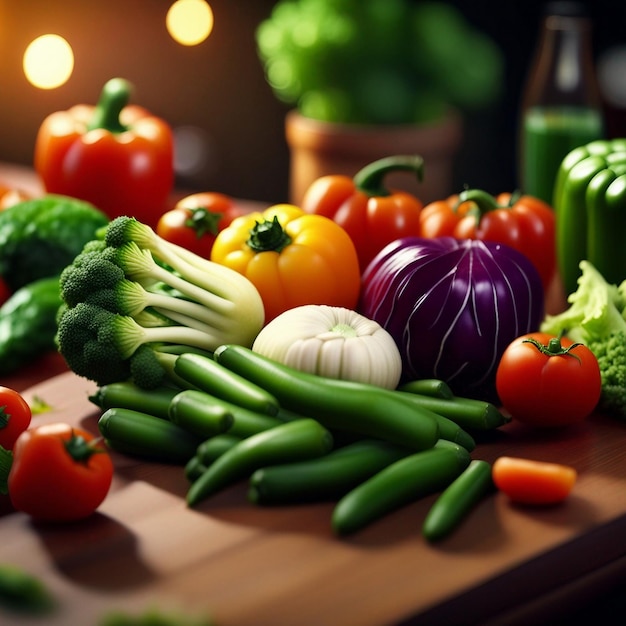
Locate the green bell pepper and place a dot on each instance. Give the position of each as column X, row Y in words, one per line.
column 590, row 206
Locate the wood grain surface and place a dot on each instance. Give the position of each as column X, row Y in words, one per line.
column 248, row 565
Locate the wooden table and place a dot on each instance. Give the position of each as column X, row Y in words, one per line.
column 275, row 566
column 250, row 565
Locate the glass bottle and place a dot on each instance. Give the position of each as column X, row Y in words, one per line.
column 561, row 106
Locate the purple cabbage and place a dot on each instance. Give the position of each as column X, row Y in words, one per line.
column 452, row 306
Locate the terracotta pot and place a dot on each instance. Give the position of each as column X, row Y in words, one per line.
column 320, row 148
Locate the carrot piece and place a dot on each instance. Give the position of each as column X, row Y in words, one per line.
column 533, row 482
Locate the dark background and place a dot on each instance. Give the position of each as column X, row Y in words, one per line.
column 219, row 88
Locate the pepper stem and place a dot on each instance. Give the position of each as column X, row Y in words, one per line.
column 113, row 98
column 484, row 201
column 268, row 235
column 369, row 179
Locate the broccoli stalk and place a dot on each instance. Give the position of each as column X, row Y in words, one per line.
column 130, row 299
column 597, row 317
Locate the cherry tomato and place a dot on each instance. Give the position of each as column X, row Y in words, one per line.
column 59, row 473
column 527, row 481
column 15, row 416
column 545, row 381
column 196, row 220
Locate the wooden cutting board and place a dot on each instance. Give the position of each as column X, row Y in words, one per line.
column 245, row 565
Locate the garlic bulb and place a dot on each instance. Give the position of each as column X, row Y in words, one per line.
column 334, row 342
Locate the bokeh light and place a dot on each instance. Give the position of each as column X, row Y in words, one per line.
column 189, row 22
column 48, row 61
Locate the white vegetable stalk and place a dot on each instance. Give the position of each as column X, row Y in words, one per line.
column 334, row 342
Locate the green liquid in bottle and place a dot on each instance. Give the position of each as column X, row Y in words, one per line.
column 549, row 135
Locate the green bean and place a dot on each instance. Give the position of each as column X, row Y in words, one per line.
column 209, row 376
column 147, row 436
column 245, row 421
column 214, row 447
column 428, row 387
column 468, row 413
column 324, row 478
column 451, row 431
column 338, row 404
column 300, row 439
column 126, row 395
column 457, row 500
column 399, row 484
column 194, row 468
column 193, row 411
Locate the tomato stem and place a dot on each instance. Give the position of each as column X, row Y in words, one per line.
column 6, row 461
column 4, row 416
column 554, row 347
column 202, row 221
column 268, row 235
column 80, row 449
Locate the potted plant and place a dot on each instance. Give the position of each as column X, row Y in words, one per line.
column 371, row 78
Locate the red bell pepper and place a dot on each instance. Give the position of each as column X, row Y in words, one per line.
column 523, row 222
column 371, row 214
column 117, row 156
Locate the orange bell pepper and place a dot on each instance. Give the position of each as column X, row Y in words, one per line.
column 371, row 214
column 117, row 156
column 523, row 222
column 292, row 258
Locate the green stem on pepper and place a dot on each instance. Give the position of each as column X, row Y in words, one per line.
column 268, row 235
column 113, row 98
column 369, row 179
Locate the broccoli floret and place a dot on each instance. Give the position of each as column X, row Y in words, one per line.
column 123, row 303
column 89, row 272
column 101, row 345
column 596, row 318
column 611, row 355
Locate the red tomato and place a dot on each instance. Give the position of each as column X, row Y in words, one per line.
column 59, row 473
column 548, row 382
column 196, row 220
column 15, row 416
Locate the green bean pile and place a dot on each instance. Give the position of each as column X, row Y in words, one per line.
column 298, row 437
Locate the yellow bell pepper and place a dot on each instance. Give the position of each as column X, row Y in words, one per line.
column 292, row 257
